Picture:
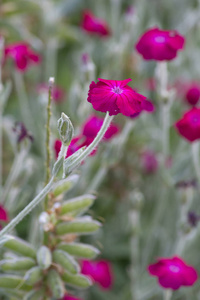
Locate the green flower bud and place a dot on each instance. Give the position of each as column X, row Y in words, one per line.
column 77, row 205
column 33, row 275
column 65, row 129
column 83, row 225
column 65, row 185
column 79, row 250
column 66, row 261
column 55, row 284
column 17, row 264
column 35, row 295
column 77, row 281
column 20, row 246
column 44, row 257
column 13, row 282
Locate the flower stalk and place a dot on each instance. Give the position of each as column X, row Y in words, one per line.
column 195, row 158
column 167, row 294
column 93, row 145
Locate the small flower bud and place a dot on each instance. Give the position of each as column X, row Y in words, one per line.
column 66, row 261
column 44, row 258
column 65, row 185
column 77, row 281
column 20, row 246
column 17, row 264
column 66, row 129
column 33, row 275
column 77, row 205
column 35, row 295
column 79, row 226
column 79, row 250
column 55, row 284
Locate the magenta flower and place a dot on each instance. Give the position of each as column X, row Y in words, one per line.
column 93, row 25
column 173, row 273
column 159, row 44
column 93, row 125
column 57, row 92
column 192, row 95
column 3, row 216
column 115, row 96
column 189, row 125
column 22, row 55
column 69, row 297
column 149, row 162
column 99, row 271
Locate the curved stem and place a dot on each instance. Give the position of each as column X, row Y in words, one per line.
column 95, row 142
column 28, row 208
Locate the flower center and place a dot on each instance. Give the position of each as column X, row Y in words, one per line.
column 195, row 119
column 159, row 39
column 117, row 90
column 174, row 269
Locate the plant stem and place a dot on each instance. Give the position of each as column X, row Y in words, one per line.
column 134, row 219
column 28, row 208
column 195, row 157
column 167, row 294
column 95, row 142
column 1, row 148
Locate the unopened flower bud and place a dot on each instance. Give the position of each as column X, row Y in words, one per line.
column 66, row 129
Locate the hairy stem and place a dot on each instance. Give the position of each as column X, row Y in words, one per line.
column 195, row 157
column 28, row 208
column 95, row 142
column 167, row 294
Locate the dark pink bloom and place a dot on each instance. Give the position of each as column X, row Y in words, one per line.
column 57, row 92
column 69, row 297
column 149, row 162
column 22, row 55
column 115, row 96
column 3, row 214
column 193, row 94
column 189, row 125
column 93, row 125
column 173, row 273
column 99, row 271
column 160, row 44
column 94, row 25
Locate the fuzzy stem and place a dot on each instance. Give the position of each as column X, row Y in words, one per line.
column 48, row 132
column 95, row 142
column 167, row 294
column 28, row 208
column 1, row 148
column 195, row 157
column 134, row 219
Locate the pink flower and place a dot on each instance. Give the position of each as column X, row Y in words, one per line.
column 93, row 125
column 69, row 297
column 149, row 162
column 3, row 216
column 57, row 92
column 94, row 25
column 160, row 44
column 22, row 55
column 115, row 96
column 193, row 94
column 189, row 125
column 173, row 273
column 100, row 271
